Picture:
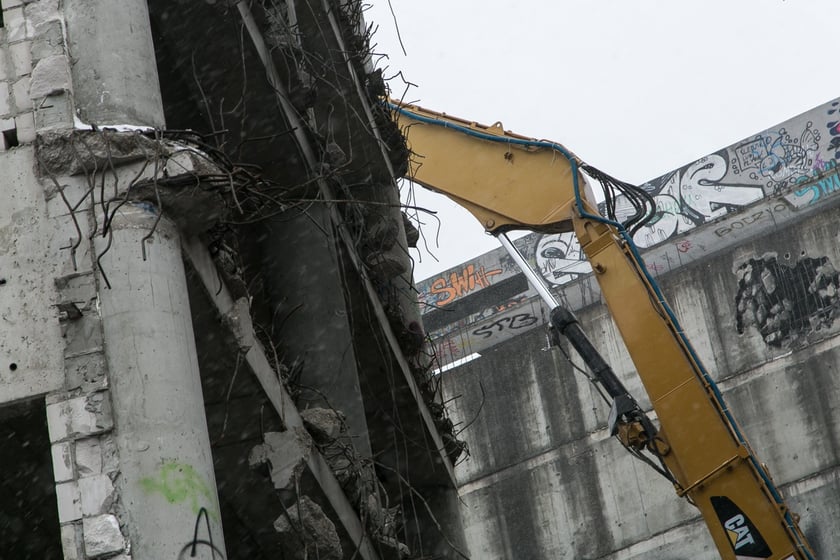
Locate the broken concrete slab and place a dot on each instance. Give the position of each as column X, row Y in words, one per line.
column 285, row 453
column 63, row 152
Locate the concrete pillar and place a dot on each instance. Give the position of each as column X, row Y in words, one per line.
column 166, row 467
column 114, row 70
column 311, row 316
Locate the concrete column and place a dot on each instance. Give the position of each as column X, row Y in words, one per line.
column 311, row 318
column 114, row 70
column 166, row 467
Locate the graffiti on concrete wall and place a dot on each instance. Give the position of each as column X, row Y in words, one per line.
column 823, row 183
column 777, row 158
column 447, row 288
column 180, row 483
column 833, row 127
column 692, row 196
column 511, row 323
column 797, row 158
column 786, row 302
column 559, row 258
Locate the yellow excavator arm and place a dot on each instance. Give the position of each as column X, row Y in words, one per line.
column 510, row 182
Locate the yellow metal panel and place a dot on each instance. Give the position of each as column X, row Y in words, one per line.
column 502, row 184
column 706, row 457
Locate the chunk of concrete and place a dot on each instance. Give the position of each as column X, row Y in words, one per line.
column 70, row 539
column 102, row 536
column 88, row 456
column 50, row 76
column 285, row 453
column 306, row 523
column 80, row 416
column 323, row 424
column 69, row 501
column 97, row 493
column 62, row 460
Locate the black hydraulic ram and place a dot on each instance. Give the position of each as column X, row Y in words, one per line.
column 624, row 409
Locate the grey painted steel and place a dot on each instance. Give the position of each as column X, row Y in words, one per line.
column 114, row 71
column 164, row 449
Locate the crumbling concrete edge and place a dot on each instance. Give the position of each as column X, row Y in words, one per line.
column 239, row 319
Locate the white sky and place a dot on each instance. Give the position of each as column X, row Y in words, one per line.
column 636, row 88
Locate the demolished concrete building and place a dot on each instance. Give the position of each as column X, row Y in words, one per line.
column 209, row 331
column 745, row 244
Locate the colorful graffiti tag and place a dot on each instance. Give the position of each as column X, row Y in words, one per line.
column 777, row 156
column 444, row 290
column 180, row 483
column 770, row 163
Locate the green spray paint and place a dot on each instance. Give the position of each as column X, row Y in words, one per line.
column 179, row 483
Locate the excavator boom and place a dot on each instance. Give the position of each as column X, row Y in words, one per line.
column 510, row 182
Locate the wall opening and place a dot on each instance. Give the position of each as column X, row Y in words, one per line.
column 10, row 138
column 29, row 516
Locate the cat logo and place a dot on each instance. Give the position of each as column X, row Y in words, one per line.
column 738, row 532
column 746, row 541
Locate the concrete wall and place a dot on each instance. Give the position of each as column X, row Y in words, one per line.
column 756, row 289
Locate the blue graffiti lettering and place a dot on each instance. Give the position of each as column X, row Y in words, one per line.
column 820, row 189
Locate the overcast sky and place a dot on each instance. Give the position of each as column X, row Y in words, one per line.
column 636, row 88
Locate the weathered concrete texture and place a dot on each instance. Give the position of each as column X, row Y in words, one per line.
column 543, row 480
column 30, row 338
column 79, row 417
column 115, row 78
column 83, row 151
column 543, row 474
column 50, row 76
column 102, row 536
column 166, row 468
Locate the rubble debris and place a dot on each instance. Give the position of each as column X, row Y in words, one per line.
column 285, row 454
column 357, row 477
column 75, row 152
column 305, row 522
column 785, row 302
column 324, row 424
